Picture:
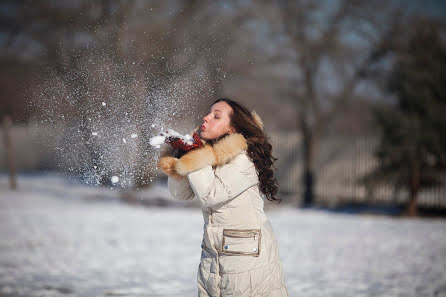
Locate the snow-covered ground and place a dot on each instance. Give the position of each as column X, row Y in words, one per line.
column 59, row 238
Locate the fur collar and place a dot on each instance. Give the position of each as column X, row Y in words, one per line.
column 220, row 153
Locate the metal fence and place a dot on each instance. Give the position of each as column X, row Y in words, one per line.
column 340, row 163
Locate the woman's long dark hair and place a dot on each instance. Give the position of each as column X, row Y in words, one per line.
column 259, row 147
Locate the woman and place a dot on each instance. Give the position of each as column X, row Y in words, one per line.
column 229, row 175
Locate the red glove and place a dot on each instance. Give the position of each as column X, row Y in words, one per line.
column 177, row 143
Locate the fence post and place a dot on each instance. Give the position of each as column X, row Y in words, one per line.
column 7, row 123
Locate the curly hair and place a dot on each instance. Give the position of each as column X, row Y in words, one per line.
column 259, row 146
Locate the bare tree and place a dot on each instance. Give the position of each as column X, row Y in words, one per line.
column 335, row 43
column 131, row 53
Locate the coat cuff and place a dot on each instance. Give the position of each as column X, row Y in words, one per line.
column 167, row 165
column 195, row 160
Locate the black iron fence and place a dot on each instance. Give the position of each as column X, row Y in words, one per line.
column 340, row 164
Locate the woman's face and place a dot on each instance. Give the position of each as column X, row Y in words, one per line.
column 217, row 122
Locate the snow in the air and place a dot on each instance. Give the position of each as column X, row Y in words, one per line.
column 159, row 139
column 62, row 238
column 111, row 132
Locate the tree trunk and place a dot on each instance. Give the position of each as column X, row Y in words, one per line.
column 412, row 208
column 308, row 169
column 9, row 153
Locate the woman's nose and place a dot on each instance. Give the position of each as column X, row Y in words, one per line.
column 205, row 118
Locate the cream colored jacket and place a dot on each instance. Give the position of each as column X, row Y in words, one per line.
column 239, row 251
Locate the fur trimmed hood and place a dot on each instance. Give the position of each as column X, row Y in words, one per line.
column 223, row 151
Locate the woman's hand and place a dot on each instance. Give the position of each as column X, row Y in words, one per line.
column 178, row 143
column 204, row 155
column 168, row 162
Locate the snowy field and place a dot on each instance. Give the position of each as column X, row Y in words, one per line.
column 59, row 238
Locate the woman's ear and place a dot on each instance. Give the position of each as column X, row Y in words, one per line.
column 231, row 130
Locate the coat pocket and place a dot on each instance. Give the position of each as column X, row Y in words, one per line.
column 241, row 242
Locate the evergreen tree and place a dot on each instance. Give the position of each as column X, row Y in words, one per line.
column 412, row 146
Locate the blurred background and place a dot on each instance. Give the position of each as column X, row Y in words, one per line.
column 352, row 95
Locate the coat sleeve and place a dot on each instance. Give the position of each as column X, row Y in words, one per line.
column 180, row 188
column 215, row 187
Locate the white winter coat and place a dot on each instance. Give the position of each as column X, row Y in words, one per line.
column 239, row 251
